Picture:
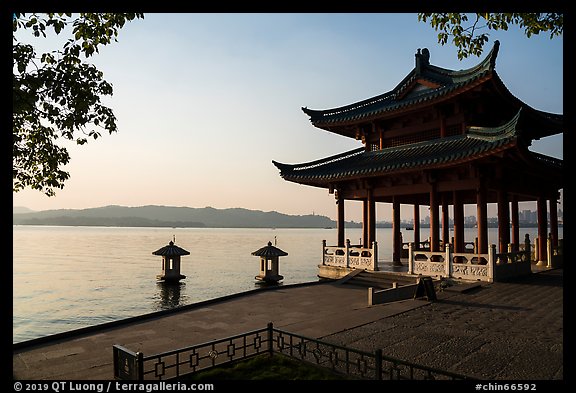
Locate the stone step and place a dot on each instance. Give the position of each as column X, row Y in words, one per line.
column 380, row 280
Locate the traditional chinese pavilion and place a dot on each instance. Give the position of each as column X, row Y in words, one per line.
column 269, row 263
column 171, row 262
column 440, row 138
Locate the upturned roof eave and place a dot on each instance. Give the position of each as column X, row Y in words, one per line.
column 321, row 161
column 327, row 181
column 460, row 77
column 406, row 107
column 551, row 123
column 485, row 141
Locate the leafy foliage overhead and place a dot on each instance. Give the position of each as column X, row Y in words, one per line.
column 57, row 94
column 470, row 37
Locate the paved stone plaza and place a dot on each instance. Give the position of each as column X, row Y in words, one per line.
column 508, row 331
column 501, row 331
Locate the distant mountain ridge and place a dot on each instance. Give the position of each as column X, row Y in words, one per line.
column 171, row 216
column 21, row 209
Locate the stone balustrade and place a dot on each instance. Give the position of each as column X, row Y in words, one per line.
column 350, row 256
column 467, row 266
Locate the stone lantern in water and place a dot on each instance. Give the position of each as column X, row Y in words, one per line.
column 171, row 262
column 269, row 264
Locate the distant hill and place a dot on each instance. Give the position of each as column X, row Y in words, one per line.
column 170, row 216
column 21, row 209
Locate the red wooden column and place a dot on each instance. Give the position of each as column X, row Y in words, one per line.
column 442, row 124
column 396, row 234
column 482, row 220
column 503, row 221
column 365, row 223
column 371, row 218
column 434, row 224
column 340, row 219
column 458, row 222
column 542, row 229
column 417, row 226
column 554, row 222
column 445, row 221
column 515, row 223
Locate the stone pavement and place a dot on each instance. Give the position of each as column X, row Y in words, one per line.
column 311, row 310
column 508, row 330
column 504, row 331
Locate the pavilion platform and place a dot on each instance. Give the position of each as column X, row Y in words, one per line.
column 501, row 330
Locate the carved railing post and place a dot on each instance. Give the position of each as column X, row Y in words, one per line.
column 527, row 248
column 448, row 261
column 549, row 250
column 347, row 253
column 323, row 252
column 375, row 255
column 371, row 301
column 410, row 258
column 491, row 261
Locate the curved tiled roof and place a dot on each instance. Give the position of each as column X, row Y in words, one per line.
column 171, row 250
column 477, row 143
column 441, row 84
column 269, row 251
column 448, row 81
column 408, row 157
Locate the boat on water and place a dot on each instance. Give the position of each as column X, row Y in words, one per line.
column 409, row 228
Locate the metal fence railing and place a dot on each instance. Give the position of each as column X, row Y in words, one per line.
column 347, row 361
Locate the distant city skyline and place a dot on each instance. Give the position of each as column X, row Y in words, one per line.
column 205, row 102
column 524, row 216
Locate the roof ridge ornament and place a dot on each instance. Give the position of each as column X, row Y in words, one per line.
column 422, row 59
column 494, row 54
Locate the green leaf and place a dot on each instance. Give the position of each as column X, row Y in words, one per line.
column 62, row 91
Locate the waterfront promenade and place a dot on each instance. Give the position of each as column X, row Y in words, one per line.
column 511, row 330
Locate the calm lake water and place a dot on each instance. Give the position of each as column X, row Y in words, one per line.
column 66, row 278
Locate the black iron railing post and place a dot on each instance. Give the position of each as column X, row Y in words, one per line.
column 130, row 365
column 140, row 365
column 378, row 364
column 270, row 328
column 115, row 360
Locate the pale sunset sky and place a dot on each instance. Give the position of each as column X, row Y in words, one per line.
column 205, row 102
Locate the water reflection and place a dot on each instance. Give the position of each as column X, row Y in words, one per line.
column 266, row 284
column 171, row 295
column 48, row 298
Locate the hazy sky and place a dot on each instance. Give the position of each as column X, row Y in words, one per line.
column 205, row 102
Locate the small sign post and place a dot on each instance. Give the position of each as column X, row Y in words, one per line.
column 426, row 289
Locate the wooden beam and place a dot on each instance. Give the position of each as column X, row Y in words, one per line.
column 542, row 231
column 434, row 223
column 340, row 220
column 365, row 229
column 458, row 222
column 503, row 221
column 554, row 222
column 371, row 218
column 396, row 233
column 482, row 220
column 445, row 219
column 515, row 223
column 417, row 225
